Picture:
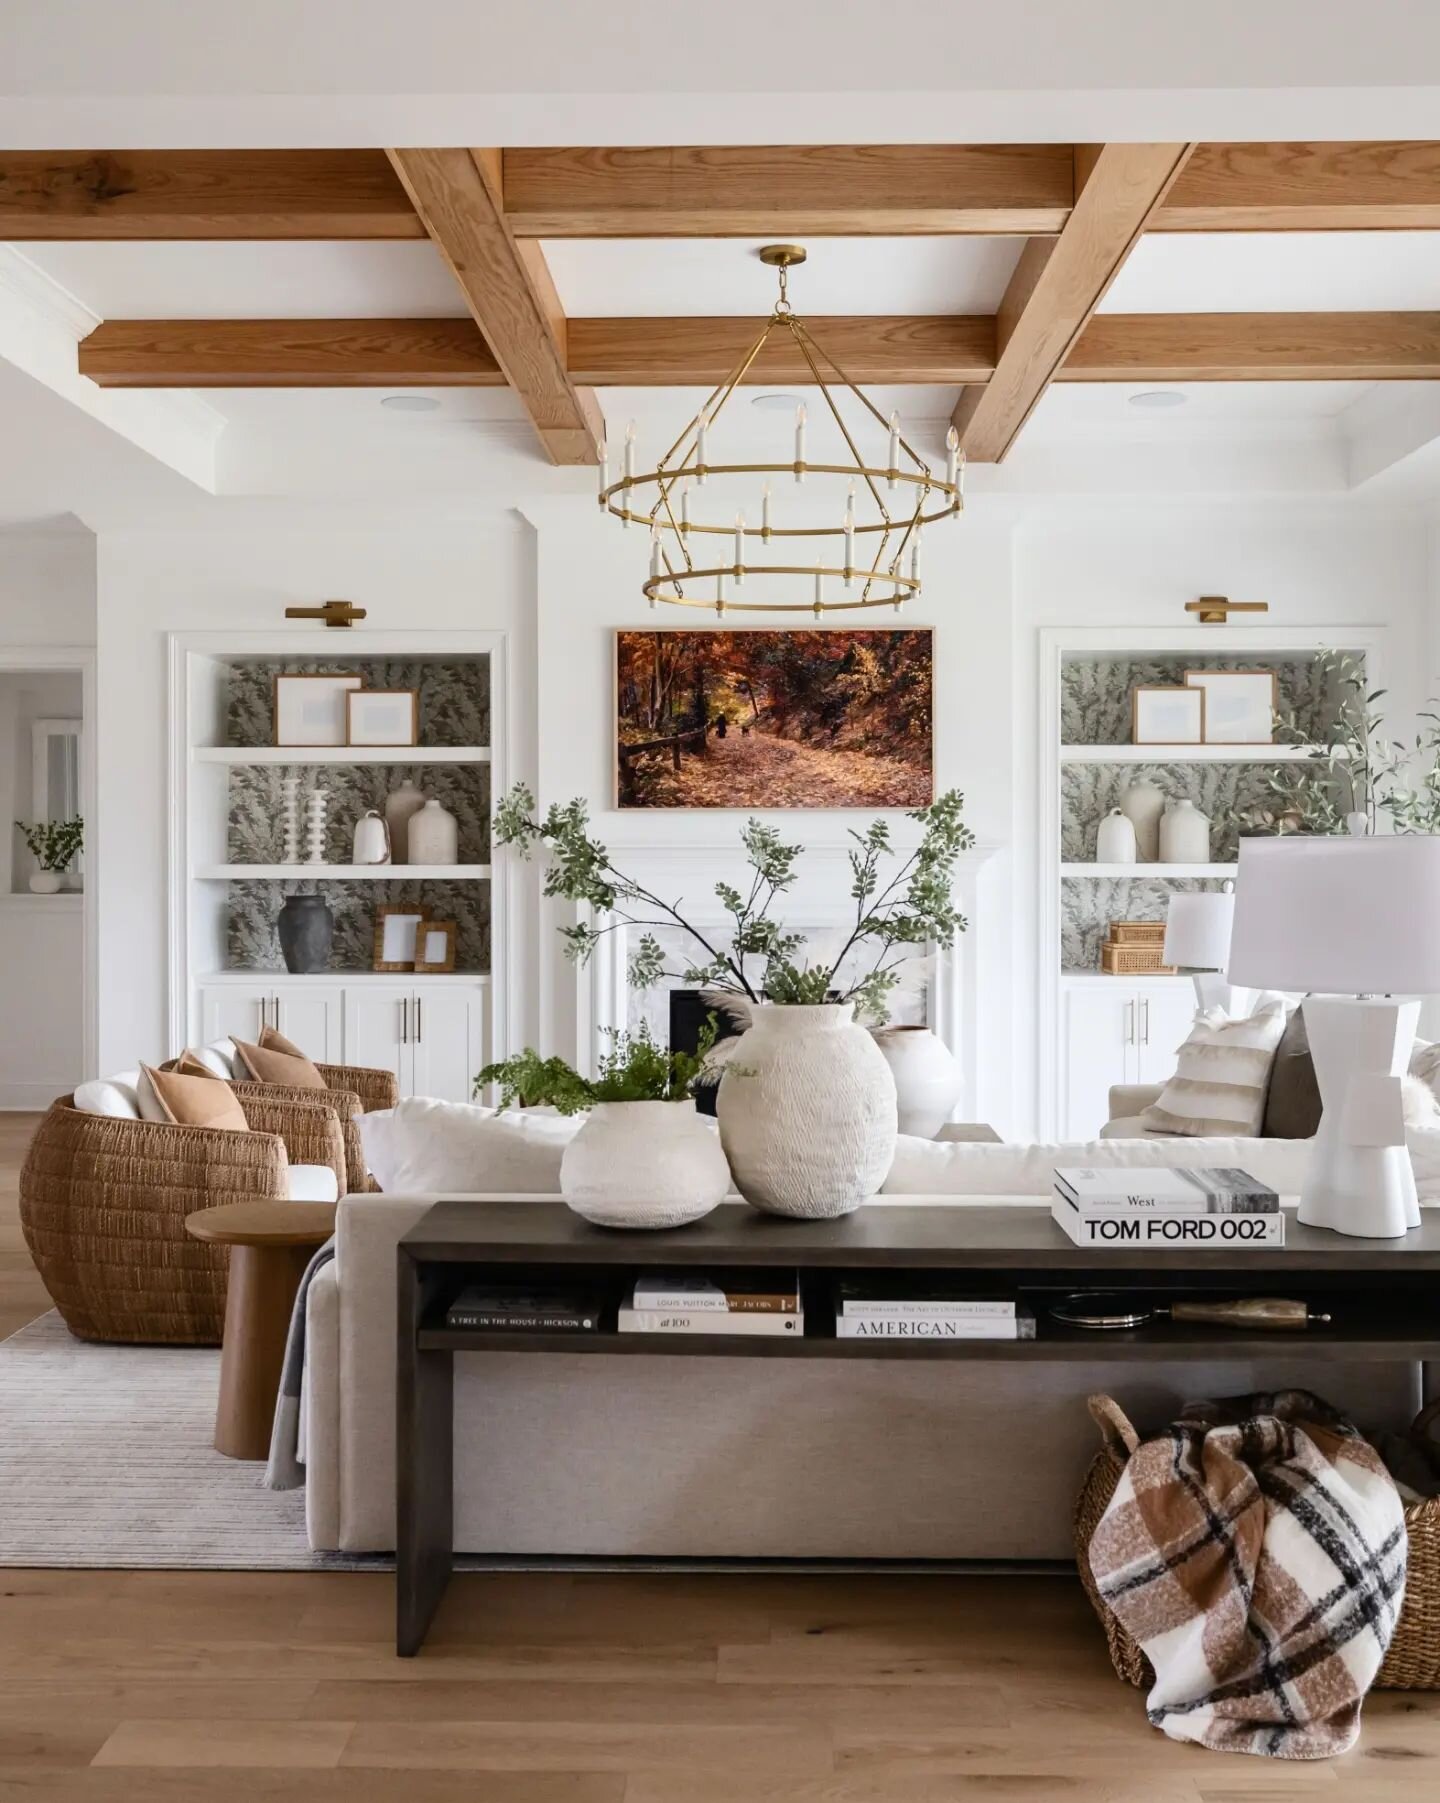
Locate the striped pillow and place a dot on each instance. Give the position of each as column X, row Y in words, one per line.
column 1219, row 1086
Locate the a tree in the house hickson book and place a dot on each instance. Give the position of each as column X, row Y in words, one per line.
column 804, row 1054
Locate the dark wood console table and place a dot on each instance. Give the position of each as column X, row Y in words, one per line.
column 1383, row 1295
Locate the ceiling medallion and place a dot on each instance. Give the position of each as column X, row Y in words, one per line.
column 890, row 503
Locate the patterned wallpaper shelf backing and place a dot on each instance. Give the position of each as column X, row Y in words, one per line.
column 1089, row 791
column 1089, row 904
column 1095, row 691
column 255, row 833
column 252, row 942
column 454, row 694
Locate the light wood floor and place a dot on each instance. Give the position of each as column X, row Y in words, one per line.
column 141, row 1687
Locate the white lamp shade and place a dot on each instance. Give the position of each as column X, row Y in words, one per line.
column 1341, row 916
column 1197, row 929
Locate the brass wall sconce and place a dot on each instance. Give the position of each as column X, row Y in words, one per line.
column 1215, row 610
column 333, row 613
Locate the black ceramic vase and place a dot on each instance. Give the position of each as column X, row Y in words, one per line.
column 306, row 928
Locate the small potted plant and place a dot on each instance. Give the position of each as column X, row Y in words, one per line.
column 643, row 1157
column 54, row 845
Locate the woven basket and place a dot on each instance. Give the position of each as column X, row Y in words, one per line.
column 1136, row 932
column 1412, row 1661
column 1135, row 961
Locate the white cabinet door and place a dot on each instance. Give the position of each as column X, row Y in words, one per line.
column 378, row 1028
column 447, row 1042
column 1167, row 1013
column 235, row 1010
column 1099, row 1048
column 311, row 1019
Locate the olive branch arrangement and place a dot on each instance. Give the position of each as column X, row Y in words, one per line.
column 54, row 844
column 894, row 918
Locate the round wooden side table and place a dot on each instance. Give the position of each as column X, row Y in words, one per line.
column 271, row 1244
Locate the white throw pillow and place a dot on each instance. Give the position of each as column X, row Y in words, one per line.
column 312, row 1183
column 423, row 1146
column 117, row 1096
column 220, row 1057
column 1219, row 1085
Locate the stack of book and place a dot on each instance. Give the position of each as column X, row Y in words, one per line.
column 700, row 1305
column 502, row 1308
column 1167, row 1210
column 862, row 1317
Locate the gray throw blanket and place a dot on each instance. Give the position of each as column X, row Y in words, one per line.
column 285, row 1469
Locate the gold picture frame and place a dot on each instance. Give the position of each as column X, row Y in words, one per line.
column 432, row 958
column 358, row 700
column 1204, row 679
column 341, row 683
column 391, row 939
column 1160, row 731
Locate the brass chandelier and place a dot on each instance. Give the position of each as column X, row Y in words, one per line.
column 667, row 501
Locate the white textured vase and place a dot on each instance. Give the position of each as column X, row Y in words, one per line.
column 1143, row 804
column 807, row 1119
column 401, row 805
column 46, row 882
column 432, row 836
column 644, row 1164
column 1184, row 834
column 927, row 1078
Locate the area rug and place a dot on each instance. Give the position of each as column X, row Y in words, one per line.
column 106, row 1462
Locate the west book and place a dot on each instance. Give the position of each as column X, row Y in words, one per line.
column 1182, row 1190
column 496, row 1309
column 720, row 1322
column 696, row 1295
column 1115, row 1230
column 861, row 1325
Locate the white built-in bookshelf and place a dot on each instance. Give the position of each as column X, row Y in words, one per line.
column 229, row 877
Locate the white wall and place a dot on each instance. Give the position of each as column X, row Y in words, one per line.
column 416, row 578
column 47, row 587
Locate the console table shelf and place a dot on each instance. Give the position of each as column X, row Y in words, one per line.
column 1381, row 1292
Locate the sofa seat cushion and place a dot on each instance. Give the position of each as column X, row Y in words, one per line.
column 457, row 1148
column 312, row 1183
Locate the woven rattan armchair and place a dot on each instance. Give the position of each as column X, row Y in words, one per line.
column 103, row 1202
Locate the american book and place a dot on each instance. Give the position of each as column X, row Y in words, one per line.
column 1219, row 1190
column 1166, row 1231
column 712, row 1321
column 695, row 1294
column 1018, row 1325
column 524, row 1311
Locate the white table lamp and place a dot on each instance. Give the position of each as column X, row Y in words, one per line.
column 1197, row 940
column 1358, row 920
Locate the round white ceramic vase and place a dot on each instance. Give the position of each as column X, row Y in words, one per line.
column 46, row 882
column 1184, row 834
column 432, row 835
column 644, row 1164
column 808, row 1116
column 927, row 1078
column 1115, row 839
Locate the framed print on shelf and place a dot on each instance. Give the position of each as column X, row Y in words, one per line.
column 1161, row 715
column 397, row 934
column 382, row 717
column 1239, row 705
column 435, row 946
column 310, row 710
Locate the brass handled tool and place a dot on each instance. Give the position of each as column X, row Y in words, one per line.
column 1276, row 1312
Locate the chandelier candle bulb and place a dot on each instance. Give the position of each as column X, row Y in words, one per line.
column 739, row 549
column 850, row 536
column 684, row 507
column 604, row 471
column 655, row 565
column 893, row 466
column 765, row 513
column 701, row 427
column 952, row 456
column 819, row 593
column 800, row 442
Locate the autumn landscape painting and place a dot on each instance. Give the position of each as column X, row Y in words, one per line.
column 774, row 719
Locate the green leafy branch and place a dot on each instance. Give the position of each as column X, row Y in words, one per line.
column 54, row 844
column 634, row 1069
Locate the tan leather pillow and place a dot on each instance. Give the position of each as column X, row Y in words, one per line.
column 266, row 1065
column 188, row 1065
column 273, row 1040
column 197, row 1101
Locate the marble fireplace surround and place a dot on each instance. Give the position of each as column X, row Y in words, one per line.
column 818, row 903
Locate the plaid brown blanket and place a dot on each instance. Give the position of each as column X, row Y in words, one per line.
column 1256, row 1551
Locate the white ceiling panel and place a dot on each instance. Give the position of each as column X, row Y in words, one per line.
column 1106, row 407
column 628, row 277
column 1278, row 272
column 253, row 281
column 345, row 411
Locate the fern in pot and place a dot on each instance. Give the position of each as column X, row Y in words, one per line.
column 643, row 1157
column 809, row 1124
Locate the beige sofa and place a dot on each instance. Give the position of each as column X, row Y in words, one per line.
column 751, row 1458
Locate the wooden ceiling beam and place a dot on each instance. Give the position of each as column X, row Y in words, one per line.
column 1057, row 285
column 459, row 196
column 1305, row 187
column 1256, row 347
column 289, row 353
column 201, row 194
column 740, row 191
